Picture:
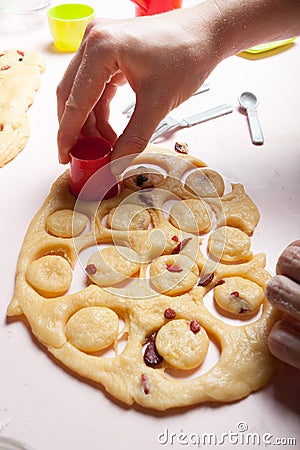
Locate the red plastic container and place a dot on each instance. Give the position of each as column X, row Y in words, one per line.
column 90, row 176
column 150, row 7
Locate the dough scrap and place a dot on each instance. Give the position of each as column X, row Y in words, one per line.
column 66, row 223
column 20, row 72
column 192, row 216
column 168, row 312
column 93, row 328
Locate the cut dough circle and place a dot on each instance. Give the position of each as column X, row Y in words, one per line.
column 66, row 223
column 173, row 274
column 180, row 346
column 239, row 296
column 93, row 328
column 49, row 275
column 229, row 244
column 192, row 216
column 112, row 265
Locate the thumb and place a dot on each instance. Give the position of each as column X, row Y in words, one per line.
column 136, row 135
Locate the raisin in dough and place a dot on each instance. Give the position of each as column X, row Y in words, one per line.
column 20, row 72
column 142, row 314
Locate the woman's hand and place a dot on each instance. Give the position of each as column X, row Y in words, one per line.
column 164, row 58
column 158, row 56
column 283, row 291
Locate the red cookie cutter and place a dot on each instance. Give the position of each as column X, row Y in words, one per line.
column 150, row 7
column 91, row 178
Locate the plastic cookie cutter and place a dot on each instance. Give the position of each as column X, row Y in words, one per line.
column 169, row 123
column 90, row 176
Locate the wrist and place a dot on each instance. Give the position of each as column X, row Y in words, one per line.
column 234, row 25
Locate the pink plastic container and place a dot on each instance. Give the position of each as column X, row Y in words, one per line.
column 90, row 176
column 150, row 7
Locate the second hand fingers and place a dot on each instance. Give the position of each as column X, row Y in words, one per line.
column 86, row 90
column 284, row 343
column 289, row 262
column 285, row 294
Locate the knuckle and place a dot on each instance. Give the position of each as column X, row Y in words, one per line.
column 134, row 143
column 105, row 38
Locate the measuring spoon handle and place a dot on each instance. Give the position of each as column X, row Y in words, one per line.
column 255, row 128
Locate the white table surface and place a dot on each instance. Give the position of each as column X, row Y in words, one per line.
column 41, row 403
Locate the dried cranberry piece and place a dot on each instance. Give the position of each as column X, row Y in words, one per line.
column 173, row 268
column 20, row 52
column 181, row 147
column 170, row 313
column 218, row 283
column 175, row 238
column 243, row 310
column 206, row 279
column 151, row 356
column 180, row 246
column 141, row 179
column 150, row 338
column 1, row 127
column 195, row 326
column 6, row 67
column 235, row 294
column 91, row 269
column 145, row 383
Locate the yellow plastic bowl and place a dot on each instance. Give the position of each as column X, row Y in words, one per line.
column 269, row 46
column 67, row 24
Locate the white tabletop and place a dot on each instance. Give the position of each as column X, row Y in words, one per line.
column 41, row 403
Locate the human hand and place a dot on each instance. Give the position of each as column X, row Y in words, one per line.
column 158, row 56
column 283, row 291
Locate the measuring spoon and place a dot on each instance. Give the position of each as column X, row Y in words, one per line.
column 249, row 102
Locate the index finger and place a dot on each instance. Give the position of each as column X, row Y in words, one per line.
column 289, row 262
column 65, row 85
column 95, row 70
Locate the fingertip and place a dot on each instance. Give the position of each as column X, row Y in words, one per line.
column 63, row 156
column 288, row 263
column 116, row 167
column 126, row 149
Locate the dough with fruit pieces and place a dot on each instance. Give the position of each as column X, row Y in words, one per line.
column 20, row 72
column 143, row 320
